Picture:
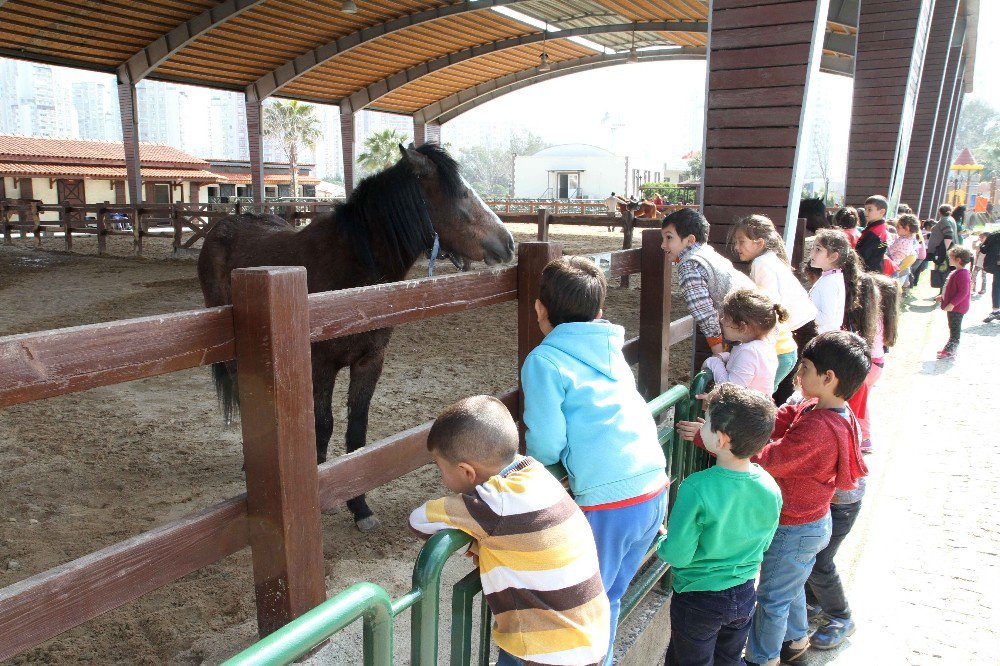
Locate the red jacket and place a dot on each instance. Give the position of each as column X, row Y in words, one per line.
column 812, row 452
column 958, row 291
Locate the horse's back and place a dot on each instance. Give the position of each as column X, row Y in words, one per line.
column 236, row 241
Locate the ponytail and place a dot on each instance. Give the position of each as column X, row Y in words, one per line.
column 863, row 304
column 891, row 297
column 781, row 314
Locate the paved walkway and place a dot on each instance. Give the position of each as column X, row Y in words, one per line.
column 922, row 564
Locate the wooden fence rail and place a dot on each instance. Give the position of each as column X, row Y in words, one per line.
column 50, row 363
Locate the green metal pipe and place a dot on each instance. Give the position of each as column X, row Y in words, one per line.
column 665, row 401
column 365, row 600
column 639, row 588
column 462, row 598
column 427, row 579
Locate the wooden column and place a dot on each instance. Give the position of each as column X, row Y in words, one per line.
column 543, row 224
column 930, row 102
column 429, row 132
column 129, row 108
column 654, row 317
column 892, row 39
column 762, row 59
column 347, row 146
column 940, row 154
column 531, row 260
column 271, row 319
column 255, row 136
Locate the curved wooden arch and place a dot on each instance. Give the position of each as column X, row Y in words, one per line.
column 371, row 93
column 454, row 105
column 142, row 64
column 275, row 80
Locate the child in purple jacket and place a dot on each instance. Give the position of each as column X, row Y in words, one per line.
column 956, row 296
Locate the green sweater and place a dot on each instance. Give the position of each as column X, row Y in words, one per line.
column 719, row 527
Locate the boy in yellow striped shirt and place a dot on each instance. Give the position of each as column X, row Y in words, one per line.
column 536, row 553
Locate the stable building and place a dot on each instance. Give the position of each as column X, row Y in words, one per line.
column 82, row 171
column 237, row 180
column 580, row 171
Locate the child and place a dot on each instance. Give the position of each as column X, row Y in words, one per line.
column 829, row 292
column 720, row 525
column 537, row 560
column 955, row 297
column 748, row 317
column 903, row 251
column 980, row 262
column 873, row 243
column 756, row 240
column 581, row 408
column 814, row 450
column 846, row 219
column 879, row 295
column 704, row 275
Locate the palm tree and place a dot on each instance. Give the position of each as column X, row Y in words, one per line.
column 381, row 150
column 292, row 124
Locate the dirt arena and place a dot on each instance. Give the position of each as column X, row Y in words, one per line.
column 87, row 470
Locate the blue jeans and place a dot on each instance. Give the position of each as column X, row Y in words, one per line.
column 781, row 598
column 623, row 536
column 786, row 363
column 507, row 659
column 710, row 628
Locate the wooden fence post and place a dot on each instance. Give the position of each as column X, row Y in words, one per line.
column 102, row 230
column 175, row 217
column 628, row 229
column 543, row 224
column 67, row 227
column 137, row 230
column 654, row 317
column 5, row 222
column 271, row 320
column 531, row 259
column 36, row 221
column 799, row 246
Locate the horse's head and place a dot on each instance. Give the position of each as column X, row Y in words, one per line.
column 466, row 226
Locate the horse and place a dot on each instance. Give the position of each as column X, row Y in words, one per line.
column 814, row 212
column 420, row 204
column 640, row 209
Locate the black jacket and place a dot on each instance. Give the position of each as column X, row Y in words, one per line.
column 991, row 254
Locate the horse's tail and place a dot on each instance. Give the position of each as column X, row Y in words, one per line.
column 226, row 389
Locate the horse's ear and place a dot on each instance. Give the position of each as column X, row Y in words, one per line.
column 421, row 164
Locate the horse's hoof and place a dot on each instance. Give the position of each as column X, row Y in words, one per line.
column 367, row 524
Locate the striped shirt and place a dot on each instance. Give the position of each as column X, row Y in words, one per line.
column 538, row 564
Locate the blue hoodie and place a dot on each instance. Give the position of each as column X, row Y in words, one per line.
column 581, row 408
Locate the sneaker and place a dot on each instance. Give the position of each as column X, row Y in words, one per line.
column 866, row 448
column 815, row 613
column 833, row 634
column 795, row 652
column 993, row 316
column 945, row 354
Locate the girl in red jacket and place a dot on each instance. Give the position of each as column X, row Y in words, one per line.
column 955, row 297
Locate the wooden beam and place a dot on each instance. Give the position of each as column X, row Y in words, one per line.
column 654, row 317
column 157, row 52
column 270, row 318
column 129, row 109
column 375, row 91
column 255, row 136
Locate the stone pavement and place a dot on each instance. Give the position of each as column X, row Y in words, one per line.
column 922, row 564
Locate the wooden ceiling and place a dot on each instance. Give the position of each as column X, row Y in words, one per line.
column 393, row 55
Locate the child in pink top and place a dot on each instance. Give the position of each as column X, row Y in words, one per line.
column 749, row 317
column 956, row 296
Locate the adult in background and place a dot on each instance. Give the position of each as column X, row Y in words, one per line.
column 991, row 264
column 942, row 236
column 612, row 204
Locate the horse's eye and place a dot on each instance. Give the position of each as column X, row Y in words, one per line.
column 465, row 195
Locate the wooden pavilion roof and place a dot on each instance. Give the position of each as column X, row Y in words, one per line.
column 392, row 55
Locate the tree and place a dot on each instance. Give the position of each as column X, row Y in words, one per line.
column 381, row 150
column 979, row 131
column 293, row 124
column 693, row 171
column 490, row 170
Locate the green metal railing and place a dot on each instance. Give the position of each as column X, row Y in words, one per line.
column 377, row 611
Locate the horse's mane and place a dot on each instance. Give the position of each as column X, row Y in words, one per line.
column 387, row 210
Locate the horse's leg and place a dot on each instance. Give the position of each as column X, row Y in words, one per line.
column 323, row 409
column 364, row 376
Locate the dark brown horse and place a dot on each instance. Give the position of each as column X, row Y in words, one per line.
column 390, row 220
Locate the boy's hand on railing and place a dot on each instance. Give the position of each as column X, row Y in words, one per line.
column 688, row 429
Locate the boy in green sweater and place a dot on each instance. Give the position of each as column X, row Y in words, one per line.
column 720, row 525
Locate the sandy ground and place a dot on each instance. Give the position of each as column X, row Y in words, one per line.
column 84, row 471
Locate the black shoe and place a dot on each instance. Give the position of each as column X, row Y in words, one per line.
column 792, row 655
column 993, row 316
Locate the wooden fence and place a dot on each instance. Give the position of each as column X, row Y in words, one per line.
column 268, row 331
column 103, row 220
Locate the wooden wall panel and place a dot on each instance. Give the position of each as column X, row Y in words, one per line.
column 929, row 103
column 892, row 40
column 930, row 196
column 761, row 57
column 948, row 146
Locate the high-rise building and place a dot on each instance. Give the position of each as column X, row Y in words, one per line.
column 90, row 100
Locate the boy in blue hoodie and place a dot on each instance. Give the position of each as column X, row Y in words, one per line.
column 581, row 408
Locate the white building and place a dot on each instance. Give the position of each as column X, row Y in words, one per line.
column 580, row 171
